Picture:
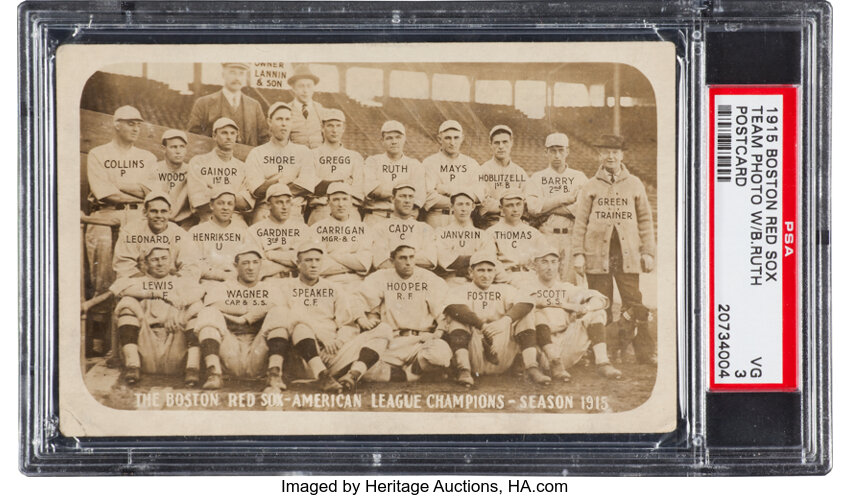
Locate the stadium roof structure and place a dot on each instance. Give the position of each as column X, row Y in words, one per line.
column 632, row 82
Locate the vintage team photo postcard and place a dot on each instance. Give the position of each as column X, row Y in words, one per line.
column 367, row 239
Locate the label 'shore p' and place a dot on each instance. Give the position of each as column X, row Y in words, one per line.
column 753, row 238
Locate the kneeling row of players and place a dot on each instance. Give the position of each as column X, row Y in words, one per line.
column 396, row 325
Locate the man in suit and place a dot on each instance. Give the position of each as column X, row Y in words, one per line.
column 306, row 113
column 230, row 102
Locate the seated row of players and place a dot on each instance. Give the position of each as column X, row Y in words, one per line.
column 398, row 324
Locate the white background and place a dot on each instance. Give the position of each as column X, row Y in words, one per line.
column 15, row 483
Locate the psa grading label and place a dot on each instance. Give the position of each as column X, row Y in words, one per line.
column 753, row 238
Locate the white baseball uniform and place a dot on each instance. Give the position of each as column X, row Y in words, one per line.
column 243, row 350
column 161, row 351
column 279, row 241
column 489, row 304
column 136, row 239
column 380, row 173
column 166, row 179
column 208, row 171
column 455, row 240
column 291, row 163
column 111, row 168
column 349, row 240
column 336, row 164
column 218, row 244
column 419, row 235
column 445, row 172
column 515, row 248
column 409, row 308
column 569, row 332
column 556, row 222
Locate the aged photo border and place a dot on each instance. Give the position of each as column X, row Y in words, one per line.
column 82, row 415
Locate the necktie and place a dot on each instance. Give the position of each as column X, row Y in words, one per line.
column 304, row 111
column 613, row 178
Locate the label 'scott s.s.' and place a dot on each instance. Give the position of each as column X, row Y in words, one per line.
column 753, row 238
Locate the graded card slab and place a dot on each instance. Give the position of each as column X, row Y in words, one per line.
column 754, row 256
column 367, row 239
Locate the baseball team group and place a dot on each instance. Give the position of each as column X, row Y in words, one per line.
column 305, row 261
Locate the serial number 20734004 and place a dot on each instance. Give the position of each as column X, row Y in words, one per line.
column 723, row 329
column 722, row 347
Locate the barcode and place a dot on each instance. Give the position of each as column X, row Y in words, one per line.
column 723, row 143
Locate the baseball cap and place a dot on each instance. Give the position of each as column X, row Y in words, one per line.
column 397, row 243
column 483, row 256
column 339, row 187
column 277, row 189
column 276, row 106
column 557, row 140
column 309, row 245
column 238, row 65
column 450, row 124
column 152, row 247
column 545, row 249
column 500, row 127
column 127, row 113
column 220, row 190
column 512, row 193
column 611, row 141
column 154, row 194
column 464, row 189
column 392, row 126
column 174, row 133
column 403, row 183
column 222, row 122
column 333, row 115
column 248, row 247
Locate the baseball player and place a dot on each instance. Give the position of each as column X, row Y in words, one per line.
column 230, row 103
column 116, row 171
column 515, row 240
column 382, row 171
column 279, row 161
column 332, row 162
column 405, row 301
column 458, row 240
column 323, row 328
column 444, row 169
column 346, row 239
column 242, row 320
column 155, row 315
column 280, row 234
column 614, row 235
column 402, row 226
column 169, row 176
column 218, row 168
column 484, row 322
column 498, row 175
column 552, row 193
column 135, row 239
column 568, row 319
column 306, row 112
column 220, row 237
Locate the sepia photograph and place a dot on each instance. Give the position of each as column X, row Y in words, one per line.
column 374, row 239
